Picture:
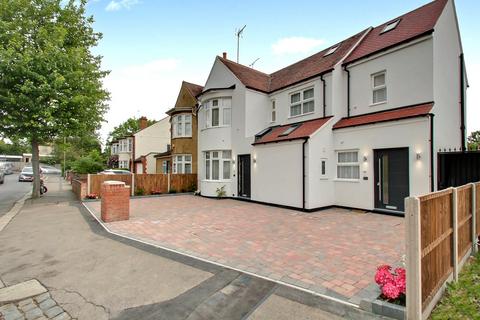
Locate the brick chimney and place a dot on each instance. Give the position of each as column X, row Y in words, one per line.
column 143, row 123
column 225, row 55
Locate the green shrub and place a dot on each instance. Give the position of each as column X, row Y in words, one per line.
column 172, row 191
column 221, row 193
column 92, row 163
column 139, row 192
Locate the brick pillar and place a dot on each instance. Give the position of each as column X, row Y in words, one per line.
column 115, row 201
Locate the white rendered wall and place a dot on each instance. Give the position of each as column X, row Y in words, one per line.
column 409, row 78
column 277, row 174
column 413, row 134
column 154, row 138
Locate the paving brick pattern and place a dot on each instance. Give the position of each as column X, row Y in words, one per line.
column 334, row 251
column 41, row 307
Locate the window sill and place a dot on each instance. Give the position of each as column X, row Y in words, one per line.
column 301, row 115
column 217, row 127
column 180, row 137
column 378, row 103
column 216, row 181
column 347, row 180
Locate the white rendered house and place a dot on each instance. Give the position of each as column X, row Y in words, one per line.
column 355, row 125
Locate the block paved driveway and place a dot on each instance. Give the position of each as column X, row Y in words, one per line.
column 333, row 252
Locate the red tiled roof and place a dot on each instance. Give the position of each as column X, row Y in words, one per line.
column 413, row 24
column 297, row 72
column 194, row 89
column 304, row 130
column 383, row 116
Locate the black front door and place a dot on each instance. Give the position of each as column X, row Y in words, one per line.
column 244, row 175
column 391, row 179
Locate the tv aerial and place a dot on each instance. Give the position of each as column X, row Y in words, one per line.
column 238, row 34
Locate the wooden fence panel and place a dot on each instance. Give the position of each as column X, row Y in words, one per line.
column 151, row 182
column 436, row 242
column 183, row 182
column 464, row 214
column 96, row 181
column 477, row 207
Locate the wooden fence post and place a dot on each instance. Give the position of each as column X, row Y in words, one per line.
column 455, row 233
column 168, row 183
column 88, row 183
column 474, row 219
column 413, row 258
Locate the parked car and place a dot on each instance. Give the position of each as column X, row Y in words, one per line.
column 50, row 170
column 27, row 174
column 2, row 175
column 115, row 171
column 7, row 168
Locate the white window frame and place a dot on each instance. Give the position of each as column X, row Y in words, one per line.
column 380, row 87
column 224, row 157
column 273, row 114
column 323, row 165
column 183, row 120
column 301, row 102
column 115, row 148
column 179, row 164
column 129, row 145
column 224, row 107
column 123, row 164
column 348, row 164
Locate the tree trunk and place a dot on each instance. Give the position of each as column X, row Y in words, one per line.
column 36, row 169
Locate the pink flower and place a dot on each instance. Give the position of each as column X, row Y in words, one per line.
column 401, row 280
column 390, row 291
column 383, row 275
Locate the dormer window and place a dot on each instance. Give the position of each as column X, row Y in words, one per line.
column 330, row 51
column 390, row 26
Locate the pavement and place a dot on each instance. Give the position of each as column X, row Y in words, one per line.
column 11, row 191
column 93, row 274
column 333, row 252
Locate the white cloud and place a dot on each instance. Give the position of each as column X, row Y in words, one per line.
column 116, row 5
column 147, row 89
column 295, row 45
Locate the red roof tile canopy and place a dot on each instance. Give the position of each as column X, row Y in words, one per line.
column 418, row 110
column 305, row 69
column 300, row 130
column 411, row 25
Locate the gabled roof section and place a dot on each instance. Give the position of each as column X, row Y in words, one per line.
column 194, row 89
column 411, row 25
column 407, row 112
column 300, row 71
column 298, row 130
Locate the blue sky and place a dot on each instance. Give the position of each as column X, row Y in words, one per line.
column 152, row 45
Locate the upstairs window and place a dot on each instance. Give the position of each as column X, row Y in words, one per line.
column 182, row 125
column 218, row 112
column 390, row 26
column 379, row 88
column 273, row 117
column 302, row 102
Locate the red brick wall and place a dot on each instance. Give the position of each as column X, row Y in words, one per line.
column 115, row 201
column 79, row 187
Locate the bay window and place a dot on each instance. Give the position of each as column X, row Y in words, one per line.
column 302, row 102
column 182, row 125
column 218, row 112
column 182, row 163
column 217, row 165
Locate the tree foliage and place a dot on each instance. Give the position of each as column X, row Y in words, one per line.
column 474, row 140
column 126, row 128
column 70, row 149
column 50, row 81
column 15, row 148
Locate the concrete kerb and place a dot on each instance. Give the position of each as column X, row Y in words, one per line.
column 333, row 303
column 5, row 220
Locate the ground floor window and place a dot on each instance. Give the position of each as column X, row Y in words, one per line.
column 165, row 166
column 182, row 163
column 348, row 167
column 123, row 164
column 218, row 165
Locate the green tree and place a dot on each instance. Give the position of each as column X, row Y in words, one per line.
column 474, row 140
column 92, row 163
column 69, row 149
column 16, row 147
column 126, row 128
column 50, row 81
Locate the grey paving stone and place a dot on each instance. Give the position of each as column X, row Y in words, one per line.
column 47, row 304
column 34, row 314
column 10, row 312
column 62, row 316
column 42, row 297
column 53, row 312
column 27, row 307
column 25, row 302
